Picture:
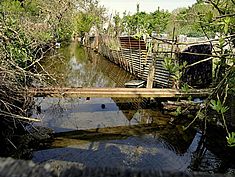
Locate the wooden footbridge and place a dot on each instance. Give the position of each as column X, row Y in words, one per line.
column 115, row 92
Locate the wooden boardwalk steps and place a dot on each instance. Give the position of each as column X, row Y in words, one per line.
column 115, row 92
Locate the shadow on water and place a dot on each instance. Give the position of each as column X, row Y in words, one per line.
column 139, row 147
column 113, row 132
column 135, row 147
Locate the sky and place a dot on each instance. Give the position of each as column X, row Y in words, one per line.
column 145, row 5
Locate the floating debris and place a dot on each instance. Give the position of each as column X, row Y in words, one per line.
column 135, row 84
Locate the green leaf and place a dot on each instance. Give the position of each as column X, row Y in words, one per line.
column 231, row 139
column 221, row 42
column 218, row 106
column 168, row 64
column 185, row 88
column 214, row 106
column 226, row 24
column 178, row 111
column 209, row 16
column 224, row 109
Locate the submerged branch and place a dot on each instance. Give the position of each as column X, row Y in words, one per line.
column 4, row 113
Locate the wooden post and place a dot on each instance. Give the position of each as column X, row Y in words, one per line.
column 150, row 77
column 96, row 40
column 173, row 41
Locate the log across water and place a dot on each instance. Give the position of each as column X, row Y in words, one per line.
column 115, row 92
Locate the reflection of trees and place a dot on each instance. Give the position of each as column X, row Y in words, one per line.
column 74, row 66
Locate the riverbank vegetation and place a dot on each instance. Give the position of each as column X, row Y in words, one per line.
column 215, row 19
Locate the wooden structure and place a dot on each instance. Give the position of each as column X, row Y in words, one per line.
column 132, row 55
column 200, row 75
column 114, row 92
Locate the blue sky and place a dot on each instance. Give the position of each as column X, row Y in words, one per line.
column 145, row 5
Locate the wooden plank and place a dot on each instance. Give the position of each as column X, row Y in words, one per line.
column 114, row 92
column 132, row 43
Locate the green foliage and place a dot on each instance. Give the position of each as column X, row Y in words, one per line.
column 142, row 22
column 178, row 111
column 18, row 43
column 11, row 6
column 89, row 14
column 175, row 70
column 185, row 87
column 218, row 106
column 83, row 22
column 118, row 28
column 64, row 31
column 231, row 139
column 209, row 18
column 32, row 7
column 45, row 36
column 226, row 23
column 193, row 21
column 138, row 35
column 169, row 65
column 27, row 26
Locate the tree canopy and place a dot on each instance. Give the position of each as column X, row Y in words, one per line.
column 145, row 22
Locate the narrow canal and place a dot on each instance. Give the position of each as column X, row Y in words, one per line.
column 111, row 132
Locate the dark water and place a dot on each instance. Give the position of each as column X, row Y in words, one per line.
column 121, row 134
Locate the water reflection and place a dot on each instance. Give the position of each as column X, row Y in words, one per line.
column 74, row 66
